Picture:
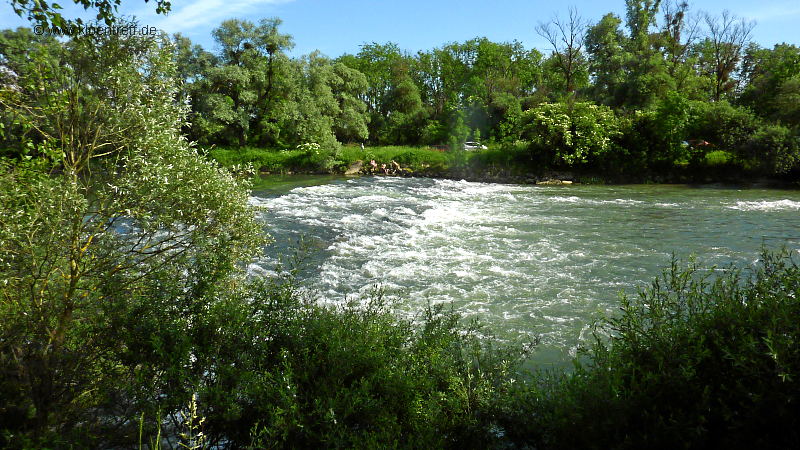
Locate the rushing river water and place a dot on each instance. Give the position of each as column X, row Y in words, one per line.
column 528, row 260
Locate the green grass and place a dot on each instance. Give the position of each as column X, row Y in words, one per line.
column 415, row 158
column 718, row 158
column 281, row 161
column 263, row 159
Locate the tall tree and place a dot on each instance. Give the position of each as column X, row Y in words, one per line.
column 566, row 37
column 393, row 98
column 640, row 16
column 727, row 39
column 772, row 78
column 647, row 78
column 605, row 45
column 241, row 91
column 679, row 32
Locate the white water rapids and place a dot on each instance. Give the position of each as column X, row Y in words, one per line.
column 529, row 260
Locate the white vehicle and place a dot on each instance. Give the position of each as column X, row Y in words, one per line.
column 474, row 146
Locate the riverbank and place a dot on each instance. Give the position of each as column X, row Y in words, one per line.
column 493, row 165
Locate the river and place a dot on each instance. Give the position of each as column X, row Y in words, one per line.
column 529, row 261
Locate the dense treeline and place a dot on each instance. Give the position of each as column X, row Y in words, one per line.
column 661, row 89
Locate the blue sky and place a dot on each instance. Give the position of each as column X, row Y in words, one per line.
column 340, row 26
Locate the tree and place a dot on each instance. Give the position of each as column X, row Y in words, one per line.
column 240, row 97
column 728, row 37
column 771, row 82
column 679, row 32
column 567, row 40
column 384, row 67
column 45, row 13
column 502, row 79
column 640, row 16
column 647, row 78
column 605, row 45
column 115, row 236
column 348, row 85
column 406, row 112
column 22, row 55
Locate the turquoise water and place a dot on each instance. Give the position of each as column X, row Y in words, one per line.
column 527, row 260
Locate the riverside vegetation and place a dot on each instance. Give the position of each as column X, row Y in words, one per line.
column 664, row 94
column 127, row 319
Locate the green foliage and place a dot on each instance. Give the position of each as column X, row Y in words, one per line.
column 114, row 234
column 787, row 103
column 604, row 44
column 672, row 117
column 725, row 126
column 717, row 158
column 774, row 148
column 434, row 133
column 269, row 160
column 412, row 157
column 348, row 376
column 321, row 157
column 573, row 135
column 655, row 138
column 695, row 361
column 236, row 97
column 46, row 13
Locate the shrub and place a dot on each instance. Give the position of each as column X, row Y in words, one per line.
column 691, row 362
column 725, row 126
column 774, row 148
column 284, row 371
column 717, row 158
column 570, row 134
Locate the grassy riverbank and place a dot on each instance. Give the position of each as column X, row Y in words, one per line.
column 507, row 163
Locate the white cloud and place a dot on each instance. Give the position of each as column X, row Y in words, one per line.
column 202, row 13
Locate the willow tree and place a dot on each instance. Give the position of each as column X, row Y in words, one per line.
column 115, row 237
column 248, row 84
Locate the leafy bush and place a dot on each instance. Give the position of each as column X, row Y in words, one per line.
column 288, row 372
column 691, row 362
column 653, row 139
column 572, row 134
column 775, row 148
column 717, row 158
column 322, row 157
column 725, row 126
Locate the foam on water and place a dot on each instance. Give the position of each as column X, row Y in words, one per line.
column 528, row 260
column 766, row 205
